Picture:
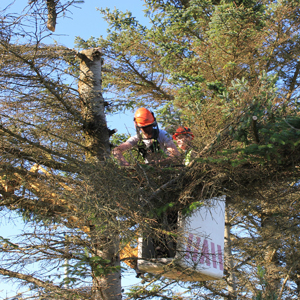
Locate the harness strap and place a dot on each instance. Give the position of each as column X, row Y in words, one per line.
column 143, row 150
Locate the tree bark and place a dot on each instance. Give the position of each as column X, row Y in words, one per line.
column 272, row 266
column 51, row 6
column 107, row 285
column 89, row 87
column 231, row 286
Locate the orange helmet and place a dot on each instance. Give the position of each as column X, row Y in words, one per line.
column 143, row 117
column 182, row 130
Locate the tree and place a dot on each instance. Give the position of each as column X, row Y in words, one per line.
column 218, row 64
column 53, row 8
column 55, row 167
column 231, row 69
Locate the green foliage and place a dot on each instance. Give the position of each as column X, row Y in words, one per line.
column 171, row 117
column 188, row 210
column 164, row 208
column 85, row 264
column 261, row 294
column 276, row 137
column 274, row 129
column 216, row 86
column 118, row 138
column 119, row 21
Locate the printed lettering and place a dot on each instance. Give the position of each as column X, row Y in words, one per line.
column 193, row 250
column 205, row 253
column 196, row 249
column 213, row 254
column 189, row 244
column 220, row 256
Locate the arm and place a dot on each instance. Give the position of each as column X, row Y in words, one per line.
column 174, row 155
column 172, row 149
column 165, row 139
column 118, row 153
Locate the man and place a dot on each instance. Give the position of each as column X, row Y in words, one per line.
column 153, row 144
column 183, row 136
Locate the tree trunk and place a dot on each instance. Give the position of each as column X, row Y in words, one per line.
column 107, row 285
column 228, row 257
column 89, row 87
column 272, row 267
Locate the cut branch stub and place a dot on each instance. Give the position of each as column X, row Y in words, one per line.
column 51, row 6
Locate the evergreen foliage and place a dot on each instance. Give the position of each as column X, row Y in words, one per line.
column 228, row 70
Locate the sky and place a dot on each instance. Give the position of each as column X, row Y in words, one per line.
column 85, row 21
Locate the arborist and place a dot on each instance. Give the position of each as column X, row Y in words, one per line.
column 184, row 136
column 154, row 144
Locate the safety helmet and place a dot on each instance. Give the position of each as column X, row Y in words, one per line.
column 144, row 117
column 182, row 130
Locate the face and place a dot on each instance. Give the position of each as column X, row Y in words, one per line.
column 184, row 141
column 147, row 131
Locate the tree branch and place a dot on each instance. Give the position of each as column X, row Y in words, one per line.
column 47, row 286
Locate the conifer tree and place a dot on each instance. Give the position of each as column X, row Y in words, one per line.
column 55, row 167
column 231, row 69
column 227, row 69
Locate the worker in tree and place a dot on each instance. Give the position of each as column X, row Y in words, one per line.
column 155, row 146
column 183, row 136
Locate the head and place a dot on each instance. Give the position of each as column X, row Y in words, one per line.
column 183, row 137
column 145, row 121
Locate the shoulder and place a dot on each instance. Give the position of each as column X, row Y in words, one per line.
column 164, row 137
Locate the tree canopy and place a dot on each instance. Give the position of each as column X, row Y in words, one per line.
column 229, row 70
column 226, row 69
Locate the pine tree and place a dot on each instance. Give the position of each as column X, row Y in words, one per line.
column 230, row 69
column 56, row 170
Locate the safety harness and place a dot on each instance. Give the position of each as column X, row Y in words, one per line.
column 146, row 116
column 154, row 146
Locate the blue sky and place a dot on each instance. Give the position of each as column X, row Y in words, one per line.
column 85, row 22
